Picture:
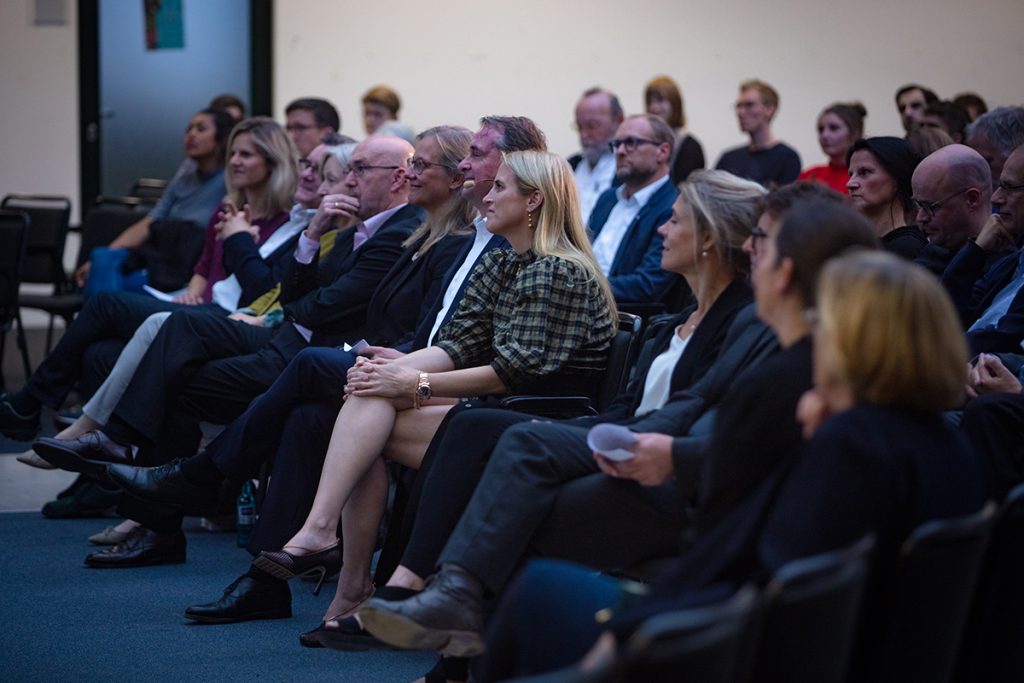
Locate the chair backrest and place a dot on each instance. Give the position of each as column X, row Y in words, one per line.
column 623, row 353
column 938, row 569
column 148, row 188
column 698, row 644
column 994, row 650
column 44, row 253
column 108, row 218
column 808, row 620
column 14, row 227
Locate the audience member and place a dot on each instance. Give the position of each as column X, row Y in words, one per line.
column 598, row 114
column 947, row 116
column 911, row 101
column 380, row 104
column 925, row 139
column 993, row 419
column 995, row 134
column 190, row 197
column 879, row 185
column 625, row 220
column 397, row 129
column 972, row 104
column 953, row 199
column 765, row 159
column 308, row 120
column 839, row 126
column 232, row 104
column 663, row 98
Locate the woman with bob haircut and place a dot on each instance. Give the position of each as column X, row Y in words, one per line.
column 879, row 185
column 538, row 317
column 663, row 98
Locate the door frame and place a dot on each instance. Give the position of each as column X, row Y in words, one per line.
column 261, row 43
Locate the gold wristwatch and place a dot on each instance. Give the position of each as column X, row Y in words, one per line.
column 423, row 392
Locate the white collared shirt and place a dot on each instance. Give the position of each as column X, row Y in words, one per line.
column 480, row 240
column 623, row 214
column 591, row 182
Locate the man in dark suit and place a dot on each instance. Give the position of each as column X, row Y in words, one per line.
column 210, row 368
column 544, row 491
column 626, row 219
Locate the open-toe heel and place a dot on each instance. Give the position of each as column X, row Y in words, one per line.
column 322, row 571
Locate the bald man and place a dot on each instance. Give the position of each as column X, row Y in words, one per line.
column 952, row 191
column 208, row 368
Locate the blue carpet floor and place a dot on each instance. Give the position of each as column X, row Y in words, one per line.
column 60, row 621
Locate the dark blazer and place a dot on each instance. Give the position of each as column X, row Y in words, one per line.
column 331, row 298
column 408, row 290
column 256, row 275
column 974, row 277
column 636, row 274
column 688, row 157
column 426, row 322
column 698, row 357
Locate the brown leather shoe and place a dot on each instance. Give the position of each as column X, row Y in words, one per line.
column 88, row 454
column 141, row 548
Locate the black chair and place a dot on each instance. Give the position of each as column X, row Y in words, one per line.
column 624, row 349
column 44, row 253
column 700, row 644
column 14, row 227
column 150, row 189
column 938, row 569
column 808, row 617
column 994, row 650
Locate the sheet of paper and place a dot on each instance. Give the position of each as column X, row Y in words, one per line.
column 163, row 296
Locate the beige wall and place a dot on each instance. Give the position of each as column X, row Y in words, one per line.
column 38, row 103
column 534, row 57
column 466, row 59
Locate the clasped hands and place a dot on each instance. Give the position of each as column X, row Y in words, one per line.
column 231, row 221
column 381, row 377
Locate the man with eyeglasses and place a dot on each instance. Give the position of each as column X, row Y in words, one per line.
column 625, row 220
column 308, row 120
column 209, row 368
column 598, row 114
column 952, row 193
column 990, row 300
column 765, row 159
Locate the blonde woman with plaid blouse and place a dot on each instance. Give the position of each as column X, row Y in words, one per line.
column 540, row 315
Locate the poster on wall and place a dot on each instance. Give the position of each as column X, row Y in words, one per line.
column 164, row 26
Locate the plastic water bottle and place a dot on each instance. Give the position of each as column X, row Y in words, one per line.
column 246, row 514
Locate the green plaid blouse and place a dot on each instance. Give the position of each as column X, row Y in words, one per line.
column 529, row 317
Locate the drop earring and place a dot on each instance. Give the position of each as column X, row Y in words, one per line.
column 529, row 220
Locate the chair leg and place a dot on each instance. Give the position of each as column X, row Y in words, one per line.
column 49, row 335
column 23, row 345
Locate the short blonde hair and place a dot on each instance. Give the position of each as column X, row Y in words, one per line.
column 890, row 333
column 279, row 152
column 559, row 226
column 769, row 95
column 385, row 97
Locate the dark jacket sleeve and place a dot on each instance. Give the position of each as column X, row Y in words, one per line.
column 440, row 258
column 342, row 303
column 967, row 281
column 647, row 282
column 1006, row 336
column 242, row 259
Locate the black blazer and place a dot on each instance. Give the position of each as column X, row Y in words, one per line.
column 331, row 298
column 256, row 275
column 409, row 289
column 698, row 357
column 636, row 274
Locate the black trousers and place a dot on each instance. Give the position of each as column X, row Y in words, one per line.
column 105, row 316
column 542, row 494
column 994, row 424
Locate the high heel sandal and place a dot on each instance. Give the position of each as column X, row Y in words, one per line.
column 283, row 565
column 312, row 638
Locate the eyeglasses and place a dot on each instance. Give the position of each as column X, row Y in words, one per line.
column 419, row 165
column 630, row 144
column 745, row 105
column 930, row 208
column 360, row 169
column 1008, row 188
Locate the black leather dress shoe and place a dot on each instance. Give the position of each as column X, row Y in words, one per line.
column 447, row 616
column 88, row 454
column 243, row 600
column 141, row 548
column 164, row 484
column 14, row 425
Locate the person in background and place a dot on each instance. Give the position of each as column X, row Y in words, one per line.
column 598, row 114
column 880, row 172
column 995, row 134
column 308, row 120
column 947, row 116
column 232, row 104
column 380, row 104
column 925, row 140
column 764, row 159
column 911, row 101
column 839, row 126
column 662, row 97
column 972, row 104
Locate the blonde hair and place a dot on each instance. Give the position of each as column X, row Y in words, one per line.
column 769, row 95
column 279, row 152
column 558, row 226
column 385, row 97
column 456, row 215
column 727, row 208
column 889, row 332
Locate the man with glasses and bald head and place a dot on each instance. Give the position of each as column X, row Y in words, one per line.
column 625, row 219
